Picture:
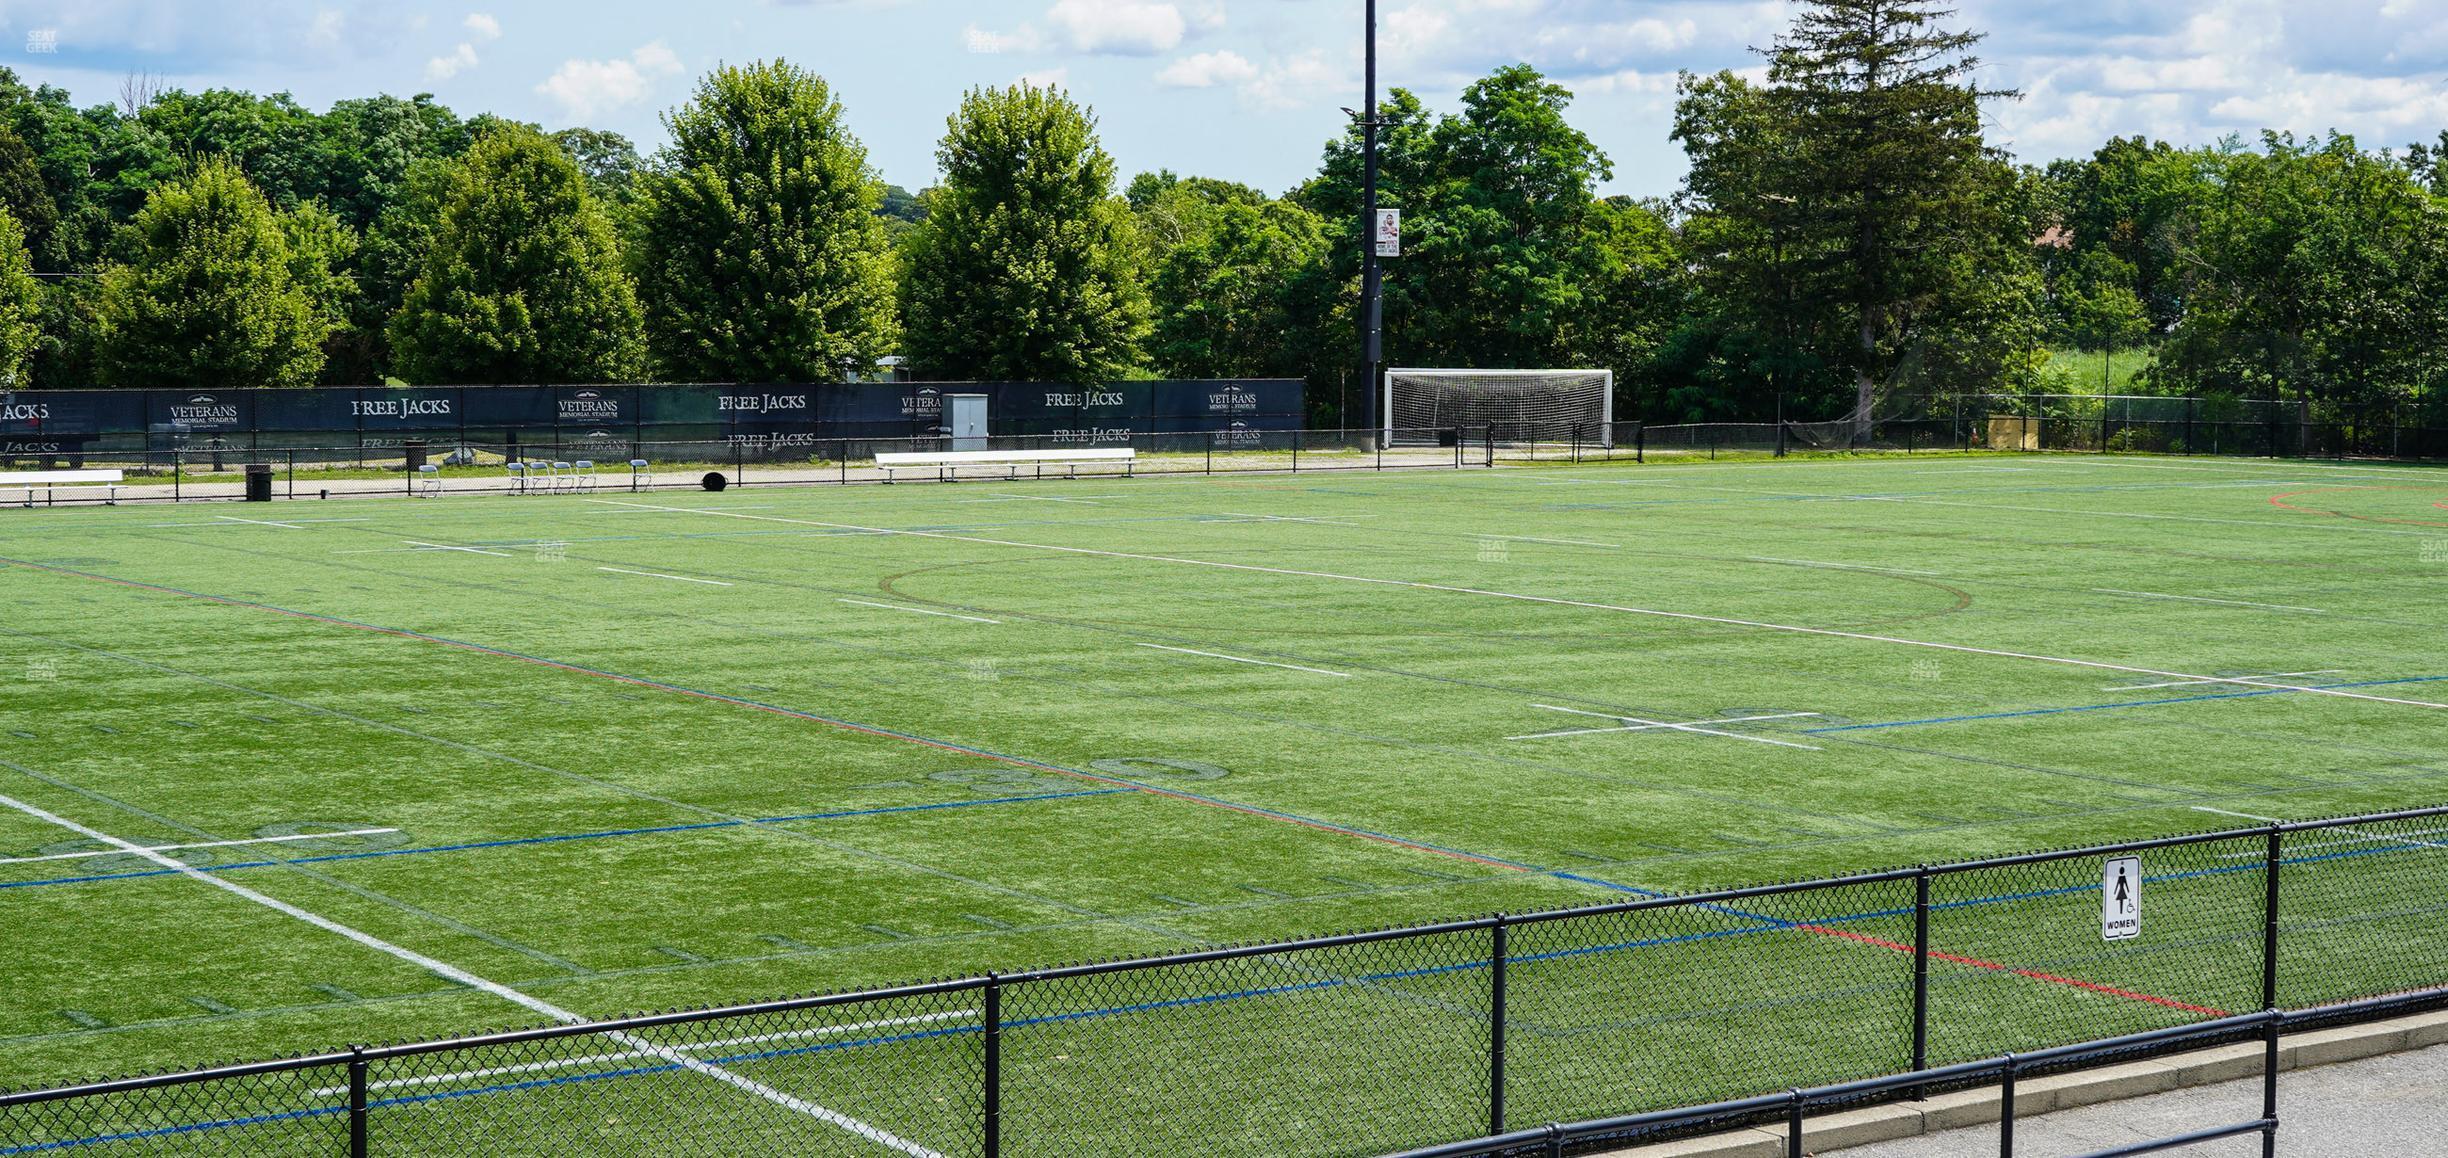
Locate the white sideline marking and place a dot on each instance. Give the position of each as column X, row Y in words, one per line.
column 2367, row 836
column 448, row 547
column 206, row 844
column 295, row 524
column 1333, row 521
column 260, row 522
column 2204, row 599
column 1552, row 601
column 2265, row 524
column 688, row 510
column 1636, row 724
column 632, row 1055
column 1341, row 675
column 1035, row 499
column 1843, row 566
column 660, row 575
column 454, row 973
column 1559, row 542
column 2196, row 683
column 919, row 610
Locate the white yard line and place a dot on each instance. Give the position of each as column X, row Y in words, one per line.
column 1035, row 499
column 2367, row 836
column 448, row 547
column 1551, row 601
column 2205, row 599
column 259, row 522
column 1341, row 675
column 1558, row 542
column 206, row 844
column 453, row 973
column 660, row 575
column 1843, row 566
column 1636, row 724
column 632, row 1055
column 1332, row 521
column 2198, row 683
column 295, row 524
column 919, row 610
column 2264, row 524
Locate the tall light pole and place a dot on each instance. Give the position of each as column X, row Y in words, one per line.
column 1372, row 281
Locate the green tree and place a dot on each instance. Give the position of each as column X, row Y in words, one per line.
column 1239, row 300
column 1027, row 265
column 21, row 306
column 1859, row 228
column 521, row 281
column 608, row 159
column 2317, row 271
column 211, row 295
column 760, row 255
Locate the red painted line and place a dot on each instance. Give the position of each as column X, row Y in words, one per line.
column 2034, row 974
column 2280, row 501
column 792, row 713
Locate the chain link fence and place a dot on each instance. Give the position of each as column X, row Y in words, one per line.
column 1373, row 1042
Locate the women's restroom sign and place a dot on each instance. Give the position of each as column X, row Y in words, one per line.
column 2121, row 899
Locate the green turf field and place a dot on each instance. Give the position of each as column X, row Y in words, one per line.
column 632, row 752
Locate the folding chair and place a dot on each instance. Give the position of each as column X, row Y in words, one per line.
column 583, row 476
column 638, row 478
column 429, row 481
column 562, row 479
column 518, row 476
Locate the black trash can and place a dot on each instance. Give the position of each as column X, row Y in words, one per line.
column 259, row 482
column 414, row 451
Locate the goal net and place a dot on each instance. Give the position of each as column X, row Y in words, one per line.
column 1516, row 406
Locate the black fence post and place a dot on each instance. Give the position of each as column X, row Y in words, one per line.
column 1640, row 444
column 1296, row 441
column 357, row 1141
column 1498, row 957
column 177, row 479
column 1793, row 1127
column 2269, row 1083
column 1921, row 980
column 1211, row 452
column 2006, row 1109
column 993, row 1147
column 739, row 464
column 2269, row 918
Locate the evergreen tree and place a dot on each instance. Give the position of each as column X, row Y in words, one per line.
column 211, row 296
column 1027, row 265
column 1885, row 121
column 760, row 255
column 521, row 281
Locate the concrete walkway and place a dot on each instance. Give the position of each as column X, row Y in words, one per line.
column 2395, row 1106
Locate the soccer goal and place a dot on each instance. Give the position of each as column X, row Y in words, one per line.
column 1515, row 406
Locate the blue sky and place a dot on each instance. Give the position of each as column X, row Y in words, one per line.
column 1248, row 89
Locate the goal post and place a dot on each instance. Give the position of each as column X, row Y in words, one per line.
column 1516, row 406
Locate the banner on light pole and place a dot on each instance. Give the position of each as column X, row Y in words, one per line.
column 1389, row 233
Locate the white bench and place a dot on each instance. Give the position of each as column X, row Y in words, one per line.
column 48, row 481
column 947, row 463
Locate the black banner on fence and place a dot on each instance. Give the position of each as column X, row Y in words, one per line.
column 609, row 417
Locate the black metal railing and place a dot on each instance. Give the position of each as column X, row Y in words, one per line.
column 1373, row 1041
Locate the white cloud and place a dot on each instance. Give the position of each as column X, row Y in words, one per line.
column 1120, row 27
column 1208, row 70
column 483, row 25
column 461, row 59
column 1296, row 82
column 586, row 89
column 1046, row 78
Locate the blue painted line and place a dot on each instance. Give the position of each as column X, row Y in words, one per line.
column 171, row 1131
column 2116, row 707
column 563, row 838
